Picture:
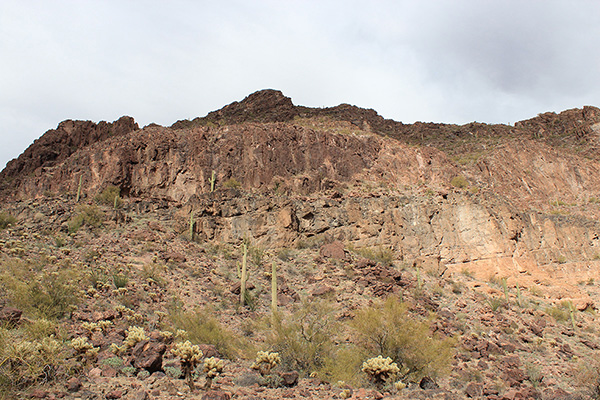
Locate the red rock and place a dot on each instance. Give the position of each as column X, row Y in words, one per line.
column 148, row 355
column 10, row 315
column 73, row 384
column 322, row 290
column 474, row 389
column 208, row 350
column 333, row 250
column 216, row 395
column 39, row 394
column 289, row 378
column 115, row 394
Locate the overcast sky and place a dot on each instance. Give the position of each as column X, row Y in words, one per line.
column 455, row 61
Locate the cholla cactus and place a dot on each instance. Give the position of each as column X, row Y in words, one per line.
column 82, row 346
column 265, row 362
column 380, row 369
column 213, row 367
column 135, row 334
column 190, row 356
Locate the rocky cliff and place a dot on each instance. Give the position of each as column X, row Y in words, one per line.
column 496, row 199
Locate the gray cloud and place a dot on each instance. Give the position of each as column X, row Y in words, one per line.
column 436, row 60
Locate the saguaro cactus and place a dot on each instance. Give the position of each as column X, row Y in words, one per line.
column 243, row 277
column 212, row 181
column 274, row 289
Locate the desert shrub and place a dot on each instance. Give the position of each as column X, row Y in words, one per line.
column 387, row 329
column 109, row 195
column 39, row 290
column 345, row 365
column 232, row 183
column 459, row 182
column 560, row 312
column 120, row 279
column 6, row 220
column 203, row 328
column 25, row 361
column 379, row 254
column 587, row 377
column 305, row 339
column 285, row 254
column 89, row 216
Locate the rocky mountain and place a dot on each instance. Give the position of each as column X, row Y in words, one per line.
column 498, row 210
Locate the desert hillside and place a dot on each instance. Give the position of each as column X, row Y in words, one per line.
column 467, row 255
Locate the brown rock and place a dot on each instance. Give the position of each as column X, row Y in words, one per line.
column 322, row 290
column 148, row 355
column 10, row 315
column 208, row 350
column 333, row 250
column 114, row 394
column 289, row 378
column 474, row 389
column 216, row 395
column 73, row 384
column 173, row 256
column 39, row 394
column 140, row 395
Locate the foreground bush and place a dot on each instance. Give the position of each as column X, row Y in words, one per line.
column 304, row 340
column 26, row 360
column 38, row 290
column 202, row 328
column 387, row 329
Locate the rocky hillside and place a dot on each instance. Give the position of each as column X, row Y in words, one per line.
column 495, row 222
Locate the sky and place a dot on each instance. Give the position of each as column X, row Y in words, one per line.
column 159, row 61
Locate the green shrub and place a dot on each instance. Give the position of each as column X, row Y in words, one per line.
column 86, row 215
column 459, row 182
column 305, row 339
column 6, row 220
column 109, row 195
column 232, row 183
column 387, row 329
column 380, row 254
column 25, row 361
column 203, row 328
column 38, row 290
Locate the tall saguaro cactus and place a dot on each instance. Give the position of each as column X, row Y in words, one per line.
column 274, row 289
column 79, row 189
column 243, row 277
column 212, row 181
column 192, row 222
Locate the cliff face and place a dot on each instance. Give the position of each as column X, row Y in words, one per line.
column 499, row 200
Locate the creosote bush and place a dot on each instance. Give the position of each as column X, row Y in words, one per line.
column 89, row 216
column 202, row 328
column 388, row 329
column 459, row 182
column 305, row 339
column 38, row 289
column 6, row 220
column 27, row 359
column 109, row 195
column 380, row 254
